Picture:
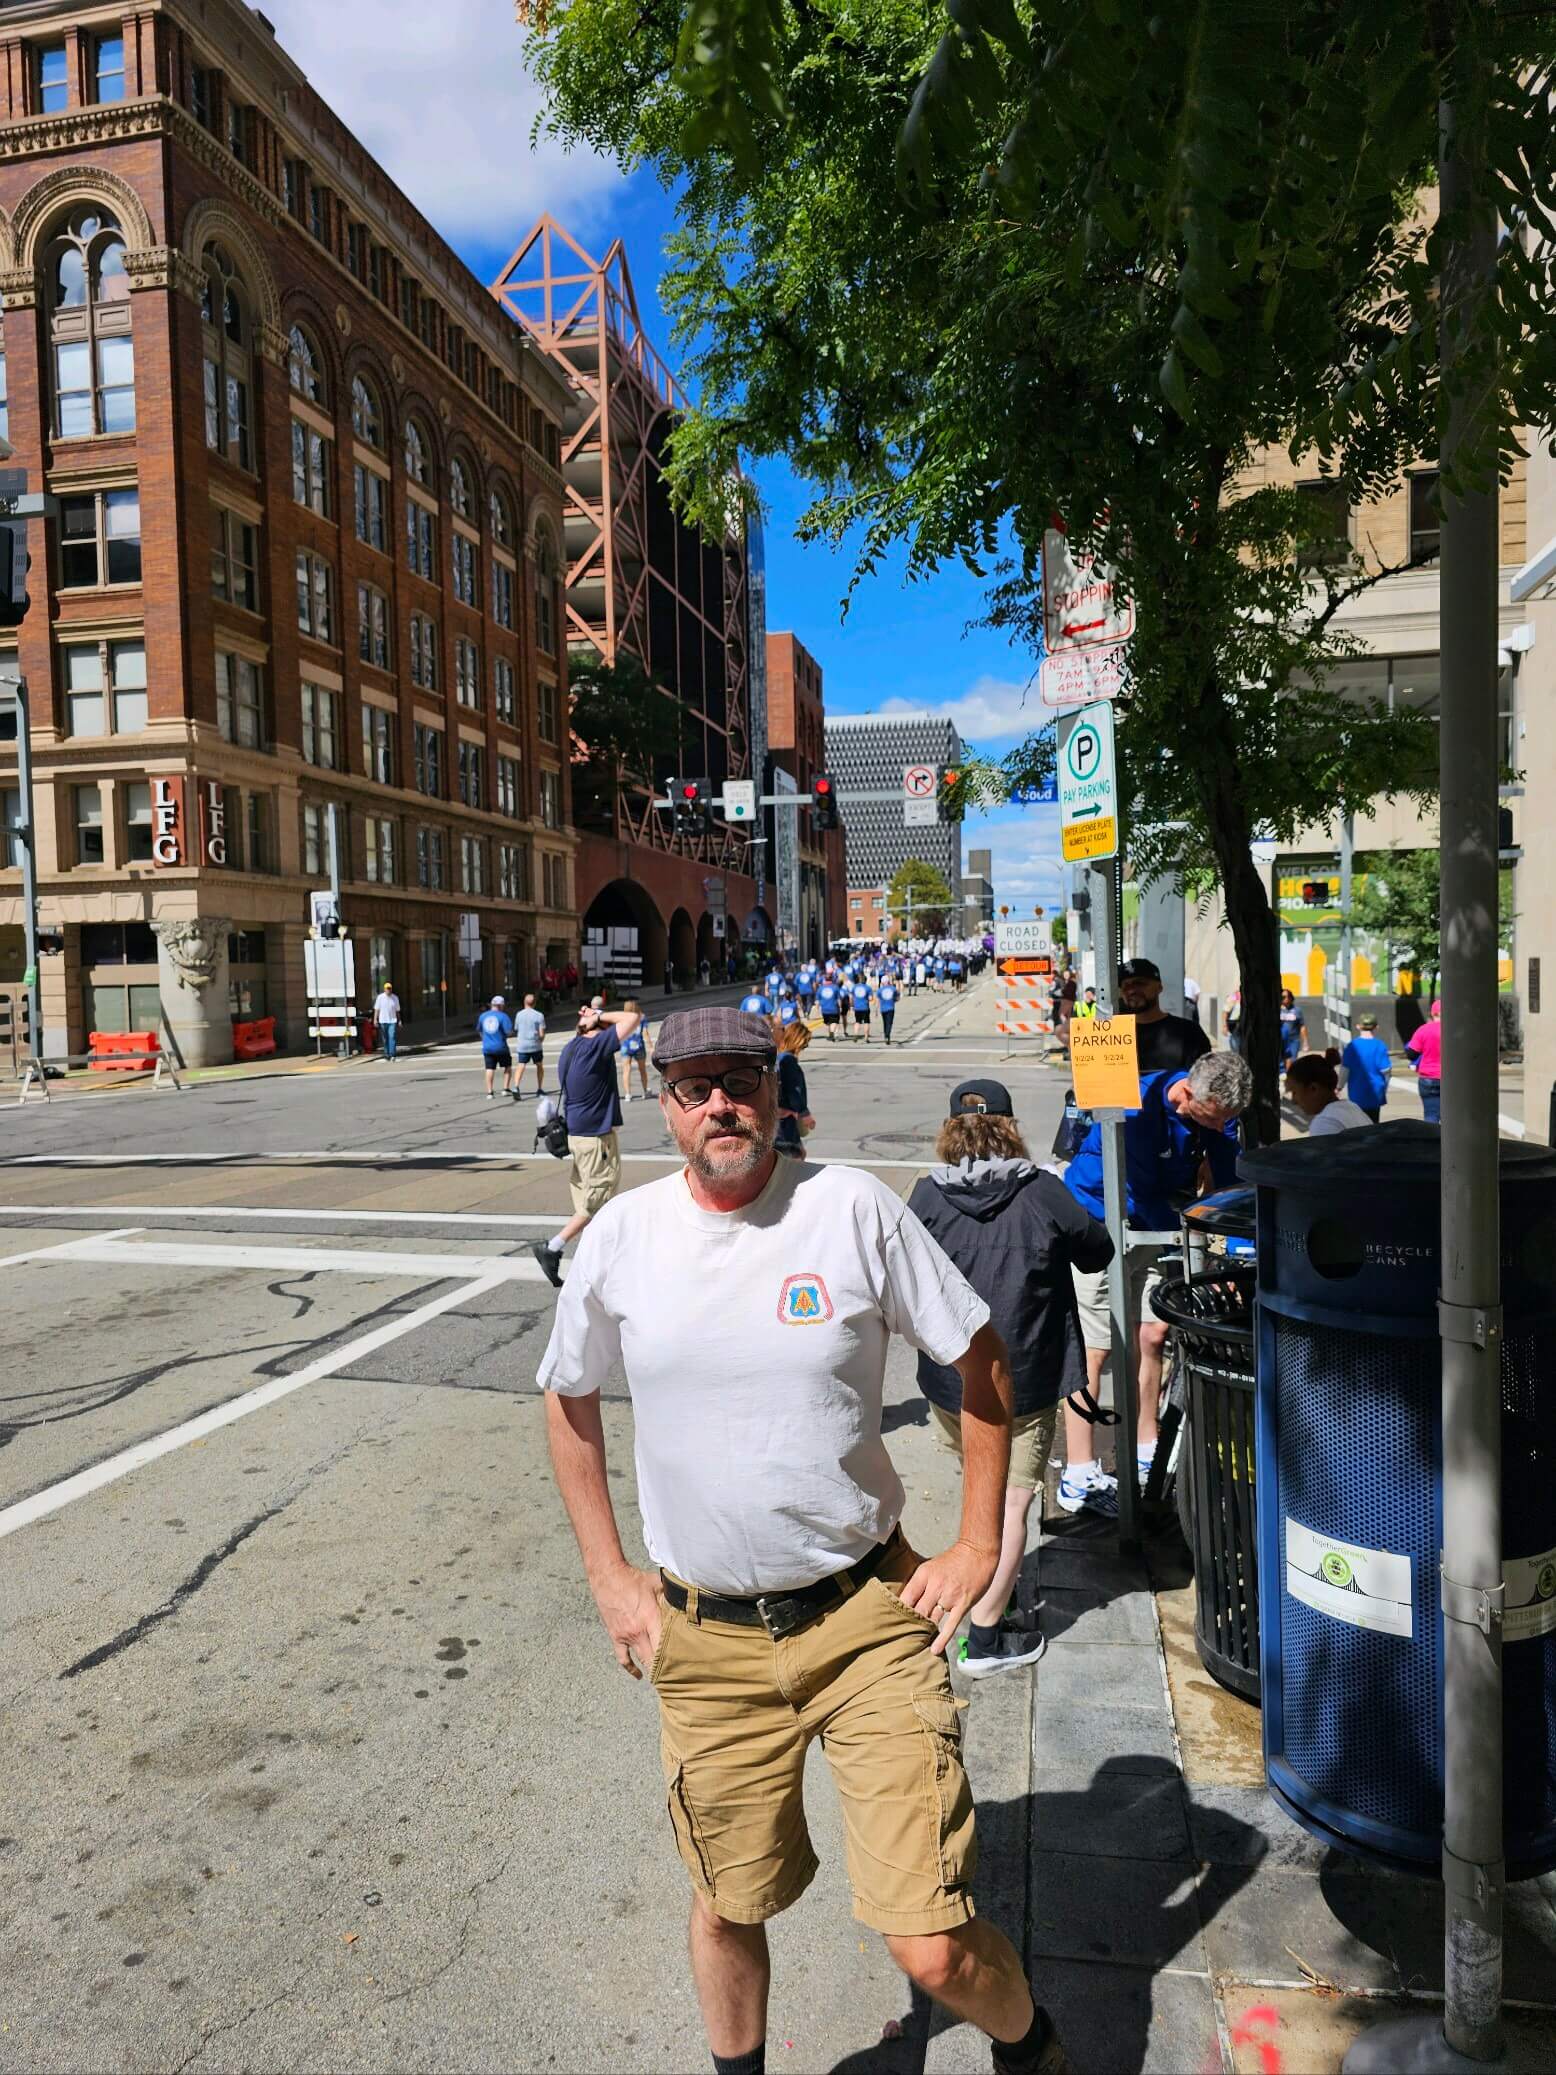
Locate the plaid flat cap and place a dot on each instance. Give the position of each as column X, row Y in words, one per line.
column 704, row 1033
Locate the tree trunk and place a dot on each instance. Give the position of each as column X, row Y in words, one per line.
column 1252, row 922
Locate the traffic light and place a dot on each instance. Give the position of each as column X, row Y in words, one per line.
column 693, row 807
column 823, row 802
column 1315, row 893
column 952, row 807
column 14, row 558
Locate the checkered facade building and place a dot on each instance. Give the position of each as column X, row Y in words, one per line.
column 869, row 752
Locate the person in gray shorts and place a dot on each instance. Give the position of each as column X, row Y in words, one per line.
column 529, row 1039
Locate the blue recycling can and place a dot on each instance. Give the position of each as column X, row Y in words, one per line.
column 1349, row 1448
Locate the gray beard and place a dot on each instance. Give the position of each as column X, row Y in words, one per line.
column 756, row 1151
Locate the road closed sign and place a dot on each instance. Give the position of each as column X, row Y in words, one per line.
column 1088, row 786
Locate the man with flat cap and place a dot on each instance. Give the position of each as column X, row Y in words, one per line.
column 750, row 1300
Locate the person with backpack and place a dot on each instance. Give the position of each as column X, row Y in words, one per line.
column 1020, row 1238
column 586, row 1076
column 496, row 1027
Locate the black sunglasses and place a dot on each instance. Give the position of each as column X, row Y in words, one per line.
column 740, row 1084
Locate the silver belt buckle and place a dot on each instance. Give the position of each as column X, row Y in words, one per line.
column 775, row 1625
column 767, row 1619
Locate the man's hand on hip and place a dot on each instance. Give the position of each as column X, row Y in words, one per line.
column 633, row 1614
column 945, row 1586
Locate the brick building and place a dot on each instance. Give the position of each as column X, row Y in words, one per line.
column 308, row 551
column 812, row 884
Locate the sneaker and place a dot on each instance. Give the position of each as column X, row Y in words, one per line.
column 550, row 1262
column 1011, row 1651
column 490, row 1096
column 1096, row 1493
column 1051, row 2060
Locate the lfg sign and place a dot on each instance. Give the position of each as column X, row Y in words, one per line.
column 170, row 831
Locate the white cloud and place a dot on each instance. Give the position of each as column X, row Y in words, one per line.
column 1025, row 843
column 441, row 97
column 992, row 709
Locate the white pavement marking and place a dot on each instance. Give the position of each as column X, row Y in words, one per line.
column 68, row 1249
column 242, row 1210
column 56, row 1496
column 289, row 1260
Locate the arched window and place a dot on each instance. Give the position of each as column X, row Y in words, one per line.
column 459, row 488
column 502, row 521
column 88, row 300
column 418, row 455
column 367, row 420
column 304, row 369
column 545, row 591
column 229, row 371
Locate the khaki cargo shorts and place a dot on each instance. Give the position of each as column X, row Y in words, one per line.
column 1091, row 1298
column 595, row 1173
column 738, row 1711
column 1031, row 1443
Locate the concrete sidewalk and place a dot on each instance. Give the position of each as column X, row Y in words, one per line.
column 1177, row 1920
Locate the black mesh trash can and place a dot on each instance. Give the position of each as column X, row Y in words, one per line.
column 1212, row 1317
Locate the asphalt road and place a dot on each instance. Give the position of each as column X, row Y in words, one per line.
column 316, row 1756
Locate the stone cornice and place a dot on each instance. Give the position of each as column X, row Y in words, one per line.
column 156, row 115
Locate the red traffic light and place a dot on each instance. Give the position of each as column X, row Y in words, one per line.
column 690, row 790
column 822, row 786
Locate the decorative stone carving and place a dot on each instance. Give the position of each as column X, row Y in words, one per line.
column 273, row 344
column 210, row 221
column 445, row 410
column 66, row 184
column 19, row 288
column 194, row 945
column 343, row 320
column 397, row 367
column 486, row 451
column 164, row 266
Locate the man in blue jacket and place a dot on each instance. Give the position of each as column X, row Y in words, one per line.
column 1181, row 1142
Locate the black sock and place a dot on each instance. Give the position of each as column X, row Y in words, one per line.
column 982, row 1642
column 752, row 2063
column 1015, row 2056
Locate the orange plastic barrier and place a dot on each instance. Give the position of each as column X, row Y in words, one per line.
column 256, row 1040
column 127, row 1051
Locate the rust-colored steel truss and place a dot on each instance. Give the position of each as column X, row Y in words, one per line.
column 639, row 581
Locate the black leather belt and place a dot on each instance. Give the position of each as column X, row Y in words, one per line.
column 781, row 1613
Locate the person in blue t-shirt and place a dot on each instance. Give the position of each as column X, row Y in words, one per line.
column 1367, row 1068
column 805, row 986
column 887, row 997
column 788, row 1012
column 1181, row 1141
column 937, row 973
column 859, row 1001
column 829, row 1000
column 772, row 983
column 496, row 1027
column 755, row 1004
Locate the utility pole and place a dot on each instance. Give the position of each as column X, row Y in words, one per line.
column 1469, row 1306
column 28, row 837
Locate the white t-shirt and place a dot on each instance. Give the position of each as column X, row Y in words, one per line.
column 1341, row 1115
column 386, row 1008
column 754, row 1343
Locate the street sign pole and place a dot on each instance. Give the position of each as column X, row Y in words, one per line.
column 342, row 1044
column 1105, row 878
column 1469, row 1308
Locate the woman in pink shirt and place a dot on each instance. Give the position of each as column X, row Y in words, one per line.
column 1426, row 1048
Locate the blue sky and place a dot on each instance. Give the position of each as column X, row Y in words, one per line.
column 441, row 97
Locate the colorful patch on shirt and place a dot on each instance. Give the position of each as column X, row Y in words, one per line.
column 803, row 1301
